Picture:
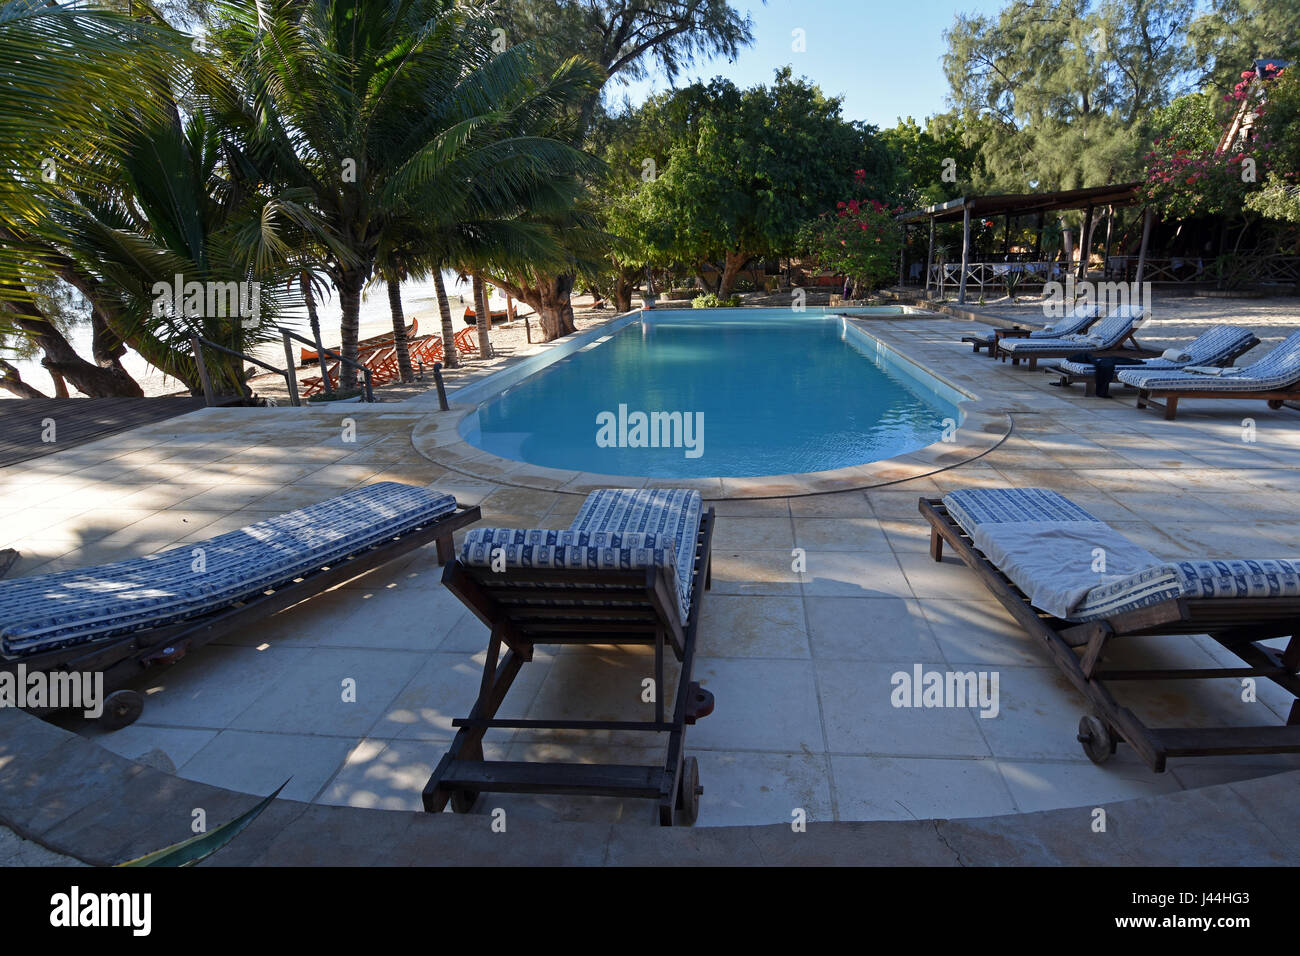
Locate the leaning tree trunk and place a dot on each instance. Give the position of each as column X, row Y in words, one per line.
column 12, row 381
column 399, row 332
column 61, row 359
column 622, row 294
column 483, row 318
column 349, row 285
column 555, row 308
column 731, row 268
column 450, row 357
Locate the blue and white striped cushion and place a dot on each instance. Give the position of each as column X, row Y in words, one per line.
column 1210, row 348
column 1193, row 580
column 1106, row 334
column 49, row 611
column 1153, row 585
column 1190, row 579
column 589, row 550
column 615, row 528
column 670, row 513
column 1279, row 369
column 971, row 507
column 1072, row 324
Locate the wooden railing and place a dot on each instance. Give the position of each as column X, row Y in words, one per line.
column 289, row 373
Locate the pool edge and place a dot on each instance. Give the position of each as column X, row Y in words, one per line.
column 437, row 438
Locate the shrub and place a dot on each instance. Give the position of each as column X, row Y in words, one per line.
column 710, row 300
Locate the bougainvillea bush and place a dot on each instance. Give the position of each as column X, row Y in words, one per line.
column 1185, row 182
column 860, row 239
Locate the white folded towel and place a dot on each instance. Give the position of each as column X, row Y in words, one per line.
column 1211, row 370
column 1176, row 355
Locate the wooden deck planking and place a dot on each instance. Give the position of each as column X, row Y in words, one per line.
column 77, row 421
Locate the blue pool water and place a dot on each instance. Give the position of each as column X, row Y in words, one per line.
column 754, row 392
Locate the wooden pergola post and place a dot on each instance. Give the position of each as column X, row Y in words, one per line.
column 929, row 258
column 1085, row 244
column 902, row 259
column 1110, row 233
column 1146, row 239
column 965, row 254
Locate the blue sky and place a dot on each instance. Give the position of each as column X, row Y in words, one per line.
column 883, row 56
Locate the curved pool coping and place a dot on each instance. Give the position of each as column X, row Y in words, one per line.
column 70, row 795
column 437, row 437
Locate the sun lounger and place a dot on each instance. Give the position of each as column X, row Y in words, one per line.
column 631, row 569
column 1275, row 379
column 1109, row 334
column 426, row 349
column 1076, row 322
column 466, row 341
column 119, row 619
column 308, row 356
column 1217, row 347
column 1038, row 553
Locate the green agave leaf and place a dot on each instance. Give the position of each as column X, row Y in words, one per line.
column 196, row 848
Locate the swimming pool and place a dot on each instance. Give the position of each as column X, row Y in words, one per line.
column 719, row 393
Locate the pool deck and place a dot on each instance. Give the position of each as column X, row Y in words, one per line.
column 800, row 663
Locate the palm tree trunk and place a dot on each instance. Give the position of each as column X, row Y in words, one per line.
column 484, row 318
column 399, row 331
column 450, row 357
column 349, row 285
column 314, row 321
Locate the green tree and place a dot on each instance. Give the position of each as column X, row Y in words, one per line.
column 627, row 39
column 1058, row 91
column 1279, row 198
column 750, row 167
column 937, row 162
column 1229, row 35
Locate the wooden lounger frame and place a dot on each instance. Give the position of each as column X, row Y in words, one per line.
column 1275, row 399
column 1089, row 379
column 124, row 658
column 525, row 607
column 1239, row 624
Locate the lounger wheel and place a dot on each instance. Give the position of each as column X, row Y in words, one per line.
column 462, row 801
column 121, row 708
column 1275, row 403
column 688, row 792
column 1098, row 742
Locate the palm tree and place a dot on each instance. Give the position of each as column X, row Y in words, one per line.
column 387, row 109
column 151, row 192
column 65, row 74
